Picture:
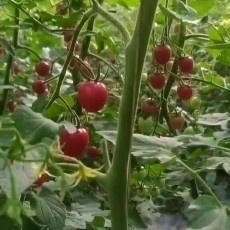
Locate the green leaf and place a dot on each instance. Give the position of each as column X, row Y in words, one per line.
column 49, row 209
column 89, row 211
column 25, row 173
column 187, row 15
column 33, row 126
column 204, row 213
column 148, row 146
column 202, row 7
column 74, row 221
column 213, row 119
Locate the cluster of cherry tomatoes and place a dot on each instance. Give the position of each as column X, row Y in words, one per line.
column 162, row 55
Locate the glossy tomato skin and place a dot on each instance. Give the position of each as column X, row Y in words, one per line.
column 177, row 122
column 39, row 87
column 92, row 96
column 186, row 65
column 185, row 92
column 93, row 151
column 162, row 54
column 74, row 144
column 158, row 81
column 43, row 69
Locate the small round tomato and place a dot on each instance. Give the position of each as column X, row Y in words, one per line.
column 185, row 92
column 113, row 61
column 149, row 108
column 195, row 103
column 16, row 70
column 74, row 144
column 186, row 65
column 92, row 96
column 162, row 54
column 177, row 122
column 93, row 151
column 39, row 87
column 12, row 105
column 158, row 81
column 43, row 69
column 145, row 125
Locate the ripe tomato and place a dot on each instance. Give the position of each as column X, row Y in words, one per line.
column 162, row 54
column 92, row 96
column 177, row 122
column 158, row 81
column 43, row 69
column 74, row 144
column 186, row 65
column 16, row 70
column 39, row 87
column 41, row 180
column 12, row 105
column 149, row 108
column 113, row 61
column 185, row 92
column 2, row 51
column 93, row 151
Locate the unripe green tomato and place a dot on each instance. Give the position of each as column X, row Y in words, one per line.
column 145, row 125
column 155, row 192
column 139, row 174
column 144, row 77
column 189, row 131
column 146, row 192
column 195, row 103
column 161, row 182
column 196, row 114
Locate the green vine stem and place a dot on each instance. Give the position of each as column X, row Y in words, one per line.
column 125, row 33
column 10, row 62
column 105, row 152
column 197, row 36
column 107, row 63
column 117, row 177
column 199, row 178
column 171, row 79
column 206, row 82
column 56, row 93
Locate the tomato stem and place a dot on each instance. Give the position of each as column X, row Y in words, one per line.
column 117, row 179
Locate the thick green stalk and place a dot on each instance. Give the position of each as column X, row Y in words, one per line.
column 10, row 62
column 117, row 180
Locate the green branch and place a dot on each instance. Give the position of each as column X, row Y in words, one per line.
column 125, row 33
column 10, row 62
column 117, row 180
column 199, row 178
column 56, row 93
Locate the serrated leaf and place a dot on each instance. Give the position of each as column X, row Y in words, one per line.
column 74, row 221
column 25, row 173
column 204, row 213
column 49, row 209
column 213, row 119
column 148, row 146
column 33, row 126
